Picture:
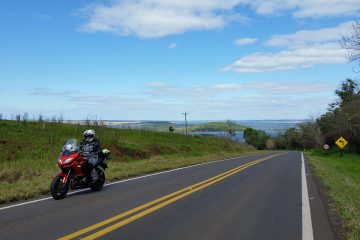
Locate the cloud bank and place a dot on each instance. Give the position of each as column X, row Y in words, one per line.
column 159, row 18
column 306, row 8
column 303, row 49
column 252, row 100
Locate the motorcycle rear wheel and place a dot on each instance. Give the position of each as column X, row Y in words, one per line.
column 100, row 182
column 58, row 190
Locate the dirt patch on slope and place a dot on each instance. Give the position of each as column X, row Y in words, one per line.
column 121, row 152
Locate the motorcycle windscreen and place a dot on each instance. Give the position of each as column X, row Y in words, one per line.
column 70, row 146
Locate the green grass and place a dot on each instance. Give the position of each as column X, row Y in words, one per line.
column 29, row 153
column 341, row 176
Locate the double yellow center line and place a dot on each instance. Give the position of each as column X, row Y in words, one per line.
column 147, row 208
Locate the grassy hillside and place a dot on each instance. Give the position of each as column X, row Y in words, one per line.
column 161, row 126
column 29, row 152
column 212, row 127
column 341, row 176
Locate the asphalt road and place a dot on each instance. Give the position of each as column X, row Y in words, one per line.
column 254, row 197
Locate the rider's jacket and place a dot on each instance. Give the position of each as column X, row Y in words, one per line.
column 90, row 149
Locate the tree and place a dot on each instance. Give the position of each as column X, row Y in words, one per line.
column 270, row 144
column 256, row 138
column 41, row 118
column 60, row 118
column 230, row 128
column 250, row 135
column 280, row 142
column 352, row 43
column 351, row 116
column 346, row 92
column 327, row 124
column 310, row 135
column 25, row 118
column 343, row 121
column 293, row 138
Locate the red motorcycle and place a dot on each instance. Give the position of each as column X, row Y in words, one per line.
column 75, row 171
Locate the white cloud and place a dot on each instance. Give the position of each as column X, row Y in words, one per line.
column 228, row 87
column 300, row 57
column 306, row 8
column 303, row 49
column 292, row 88
column 311, row 36
column 173, row 45
column 175, row 92
column 245, row 41
column 47, row 92
column 253, row 100
column 282, row 88
column 158, row 18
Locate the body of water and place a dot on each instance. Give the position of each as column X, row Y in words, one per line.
column 271, row 127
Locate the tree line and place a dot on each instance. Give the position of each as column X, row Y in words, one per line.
column 342, row 118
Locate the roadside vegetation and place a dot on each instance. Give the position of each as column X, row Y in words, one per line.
column 341, row 177
column 341, row 120
column 29, row 150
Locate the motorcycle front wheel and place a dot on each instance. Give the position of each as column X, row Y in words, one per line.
column 58, row 190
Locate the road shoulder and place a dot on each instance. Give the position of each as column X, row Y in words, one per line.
column 326, row 223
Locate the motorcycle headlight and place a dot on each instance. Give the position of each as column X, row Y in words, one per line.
column 68, row 160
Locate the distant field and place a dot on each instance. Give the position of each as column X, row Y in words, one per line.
column 211, row 127
column 164, row 126
column 29, row 152
column 161, row 126
column 341, row 176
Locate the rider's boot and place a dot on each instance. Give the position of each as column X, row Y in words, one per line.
column 94, row 176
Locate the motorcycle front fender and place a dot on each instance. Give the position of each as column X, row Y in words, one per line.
column 61, row 174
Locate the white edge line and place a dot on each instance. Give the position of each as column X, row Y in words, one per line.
column 307, row 230
column 127, row 180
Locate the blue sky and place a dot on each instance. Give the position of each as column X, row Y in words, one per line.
column 154, row 59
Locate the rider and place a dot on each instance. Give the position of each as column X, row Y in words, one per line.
column 89, row 149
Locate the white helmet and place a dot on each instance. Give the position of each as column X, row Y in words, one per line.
column 89, row 135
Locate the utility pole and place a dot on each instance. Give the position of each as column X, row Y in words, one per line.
column 185, row 113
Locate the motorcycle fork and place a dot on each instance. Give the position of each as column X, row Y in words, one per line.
column 66, row 177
